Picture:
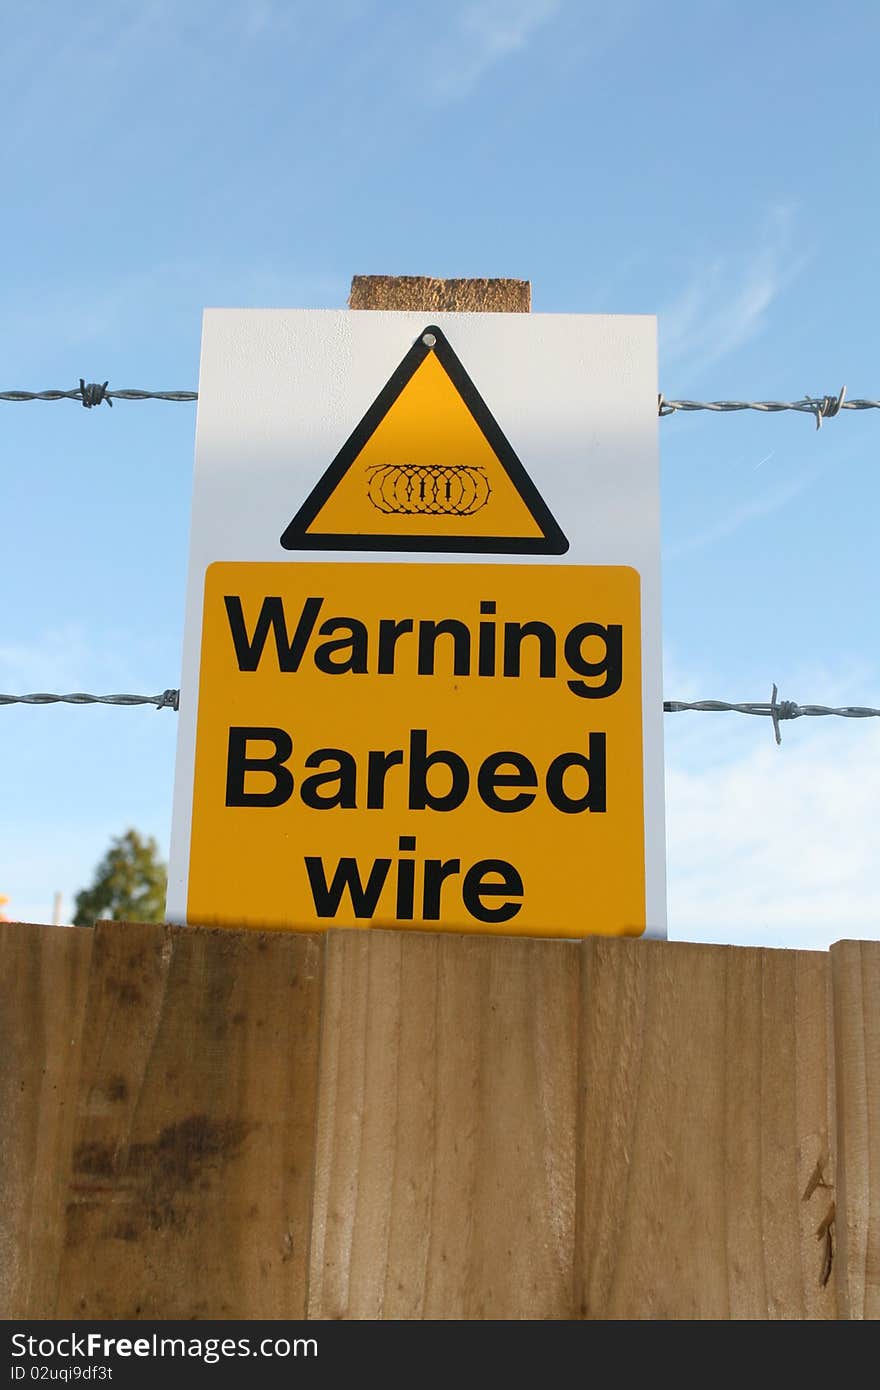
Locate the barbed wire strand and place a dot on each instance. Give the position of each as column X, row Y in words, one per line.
column 775, row 709
column 821, row 407
column 169, row 699
column 94, row 393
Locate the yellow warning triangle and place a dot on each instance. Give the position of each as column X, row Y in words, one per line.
column 427, row 469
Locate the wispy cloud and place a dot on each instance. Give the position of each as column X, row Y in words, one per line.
column 79, row 656
column 487, row 32
column 55, row 73
column 262, row 17
column 165, row 298
column 59, row 657
column 728, row 298
column 773, row 846
column 779, row 848
column 740, row 515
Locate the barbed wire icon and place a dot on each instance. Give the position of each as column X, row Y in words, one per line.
column 428, row 489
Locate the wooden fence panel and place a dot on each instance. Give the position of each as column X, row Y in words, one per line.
column 43, row 981
column 706, row 1110
column 445, row 1151
column 855, row 967
column 379, row 1124
column 190, row 1184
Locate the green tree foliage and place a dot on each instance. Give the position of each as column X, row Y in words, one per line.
column 129, row 884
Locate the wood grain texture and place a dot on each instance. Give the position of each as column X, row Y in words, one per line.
column 379, row 1124
column 855, row 973
column 444, row 1180
column 423, row 294
column 705, row 1111
column 190, row 1180
column 43, row 981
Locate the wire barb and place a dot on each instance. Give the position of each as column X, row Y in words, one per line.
column 94, row 393
column 829, row 406
column 787, row 710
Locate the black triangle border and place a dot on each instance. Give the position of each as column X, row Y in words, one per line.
column 552, row 542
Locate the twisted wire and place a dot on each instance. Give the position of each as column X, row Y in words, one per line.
column 776, row 710
column 169, row 699
column 94, row 393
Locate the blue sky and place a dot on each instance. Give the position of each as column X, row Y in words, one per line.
column 710, row 163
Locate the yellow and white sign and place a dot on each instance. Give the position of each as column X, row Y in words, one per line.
column 421, row 679
column 390, row 745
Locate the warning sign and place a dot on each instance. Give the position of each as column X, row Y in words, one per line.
column 427, row 468
column 420, row 745
column 421, row 683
